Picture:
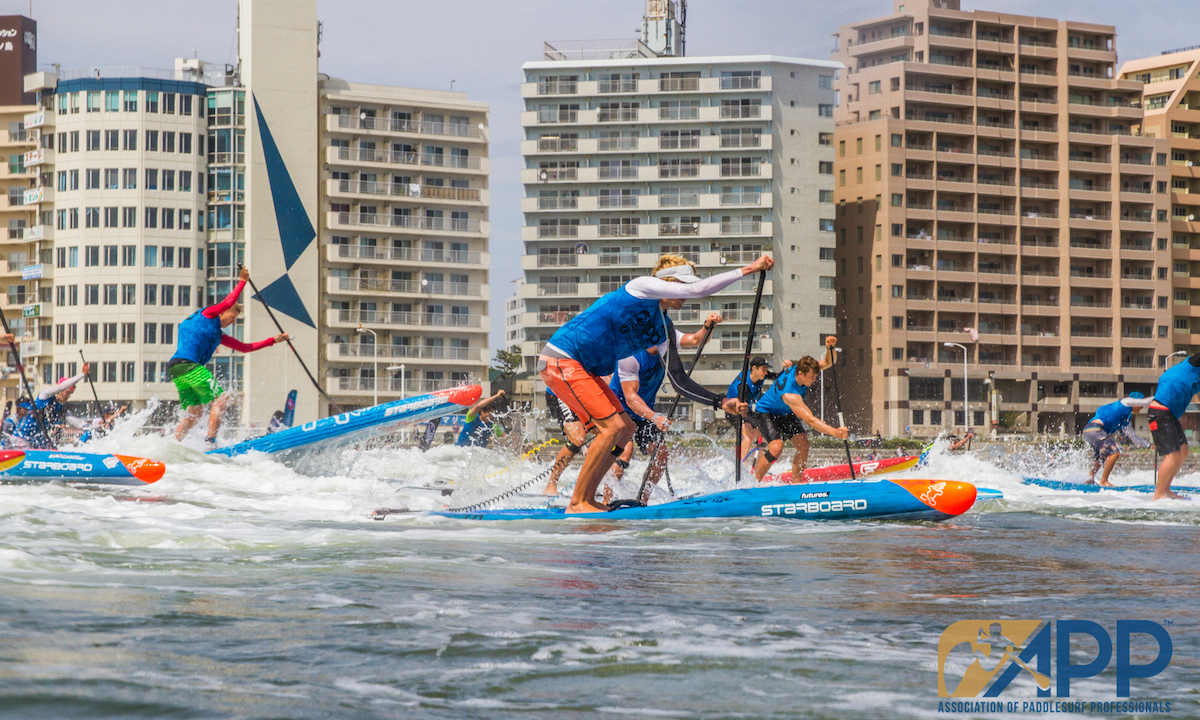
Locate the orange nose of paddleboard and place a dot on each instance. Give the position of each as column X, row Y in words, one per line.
column 949, row 496
column 147, row 471
column 9, row 459
column 465, row 395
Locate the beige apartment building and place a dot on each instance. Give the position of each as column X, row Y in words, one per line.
column 1171, row 102
column 23, row 248
column 991, row 174
column 404, row 240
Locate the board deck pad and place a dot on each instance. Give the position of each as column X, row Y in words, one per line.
column 1081, row 487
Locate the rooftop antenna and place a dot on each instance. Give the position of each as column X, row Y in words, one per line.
column 662, row 28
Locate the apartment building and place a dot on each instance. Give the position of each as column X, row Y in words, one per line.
column 24, row 248
column 992, row 175
column 120, row 170
column 404, row 240
column 629, row 155
column 1171, row 103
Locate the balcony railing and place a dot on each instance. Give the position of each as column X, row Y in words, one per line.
column 617, row 86
column 557, row 87
column 741, row 169
column 371, row 252
column 741, row 198
column 679, row 142
column 741, row 82
column 679, row 171
column 570, row 202
column 678, row 84
column 365, row 187
column 619, row 115
column 678, row 200
column 411, row 385
column 555, row 317
column 613, row 172
column 617, row 201
column 430, row 352
column 554, row 231
column 409, row 126
column 408, row 286
column 408, row 221
column 741, row 111
column 383, row 317
column 558, row 116
column 562, row 288
column 557, row 144
column 741, row 140
column 611, row 259
column 621, row 143
column 618, row 230
column 679, row 113
column 678, row 229
column 741, row 228
column 557, row 260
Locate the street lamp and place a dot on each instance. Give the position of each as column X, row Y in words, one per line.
column 394, row 368
column 1177, row 353
column 374, row 354
column 966, row 411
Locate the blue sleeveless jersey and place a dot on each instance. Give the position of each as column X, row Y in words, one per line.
column 772, row 400
column 1177, row 386
column 475, row 433
column 752, row 388
column 52, row 412
column 616, row 326
column 199, row 338
column 1114, row 416
column 651, row 373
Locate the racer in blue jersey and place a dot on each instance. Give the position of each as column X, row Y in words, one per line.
column 781, row 413
column 573, row 364
column 636, row 382
column 1174, row 393
column 479, row 424
column 760, row 372
column 1101, row 431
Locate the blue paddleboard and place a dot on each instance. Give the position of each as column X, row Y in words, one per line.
column 358, row 425
column 1080, row 487
column 899, row 499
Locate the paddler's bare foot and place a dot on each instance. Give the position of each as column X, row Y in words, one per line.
column 586, row 507
column 551, row 489
column 1105, row 483
column 1169, row 494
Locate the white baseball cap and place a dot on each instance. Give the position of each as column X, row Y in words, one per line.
column 682, row 273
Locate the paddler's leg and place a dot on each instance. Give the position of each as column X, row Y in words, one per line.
column 215, row 415
column 1166, row 473
column 614, row 432
column 623, row 461
column 574, row 434
column 659, row 453
column 1172, row 446
column 800, row 459
column 766, row 459
column 188, row 421
column 1109, row 464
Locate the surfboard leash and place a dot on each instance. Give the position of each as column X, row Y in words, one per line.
column 523, row 486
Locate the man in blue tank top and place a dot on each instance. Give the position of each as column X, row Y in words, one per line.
column 1100, row 432
column 479, row 423
column 199, row 337
column 1174, row 393
column 781, row 413
column 573, row 364
column 636, row 383
column 760, row 372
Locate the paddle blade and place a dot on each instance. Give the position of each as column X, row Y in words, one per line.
column 465, row 395
column 147, row 471
column 948, row 496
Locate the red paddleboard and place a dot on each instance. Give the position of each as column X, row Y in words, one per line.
column 842, row 472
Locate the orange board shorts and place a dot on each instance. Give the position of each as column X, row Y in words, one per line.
column 588, row 396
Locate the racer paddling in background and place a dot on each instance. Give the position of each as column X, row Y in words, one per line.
column 624, row 322
column 1101, row 431
column 479, row 423
column 781, row 413
column 199, row 337
column 50, row 402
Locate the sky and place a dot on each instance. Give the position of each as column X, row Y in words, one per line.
column 480, row 45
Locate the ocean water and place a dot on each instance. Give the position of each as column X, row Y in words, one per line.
column 245, row 589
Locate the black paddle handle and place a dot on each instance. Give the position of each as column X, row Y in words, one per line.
column 316, row 384
column 745, row 376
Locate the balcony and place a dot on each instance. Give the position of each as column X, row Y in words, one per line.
column 342, row 253
column 412, row 190
column 393, row 385
column 406, row 319
column 740, row 112
column 444, row 129
column 410, row 222
column 741, row 228
column 410, row 159
column 412, row 287
column 424, row 352
column 741, row 82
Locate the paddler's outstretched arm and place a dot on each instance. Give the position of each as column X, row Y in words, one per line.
column 231, row 299
column 800, row 410
column 232, row 342
column 484, row 404
column 694, row 339
column 51, row 391
column 830, row 356
column 694, row 391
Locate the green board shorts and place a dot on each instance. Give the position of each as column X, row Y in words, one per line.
column 195, row 383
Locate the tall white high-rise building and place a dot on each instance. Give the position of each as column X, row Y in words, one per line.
column 719, row 159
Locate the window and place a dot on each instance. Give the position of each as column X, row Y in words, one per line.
column 73, row 221
column 151, row 140
column 151, row 256
column 129, row 332
column 110, row 332
column 91, row 256
column 825, row 82
column 827, row 311
column 184, row 295
column 151, row 179
column 185, row 221
column 897, row 140
column 168, row 218
column 826, row 253
column 129, row 139
column 111, row 181
column 824, row 138
column 825, row 168
column 150, row 295
column 93, row 140
column 131, row 98
column 825, row 110
column 897, row 169
column 74, row 141
column 110, row 294
column 874, row 87
column 185, row 181
column 168, row 141
column 168, row 103
column 166, row 295
column 72, row 179
column 128, row 294
column 129, row 217
column 109, row 372
column 825, row 225
column 168, row 180
column 918, row 416
column 112, row 139
column 110, row 217
column 92, row 217
column 150, row 334
column 150, row 369
column 167, row 256
column 128, row 255
column 151, row 102
column 825, row 196
column 91, row 179
column 127, row 368
column 185, row 143
column 185, row 104
column 151, row 217
column 91, row 294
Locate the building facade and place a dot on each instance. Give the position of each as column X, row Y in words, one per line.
column 24, row 247
column 404, row 241
column 121, row 175
column 992, row 176
column 718, row 159
column 1171, row 103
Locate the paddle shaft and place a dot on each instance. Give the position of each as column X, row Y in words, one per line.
column 37, row 411
column 841, row 420
column 95, row 396
column 644, row 490
column 316, row 384
column 745, row 376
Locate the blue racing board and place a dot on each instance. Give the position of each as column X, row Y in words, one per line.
column 1080, row 487
column 32, row 466
column 900, row 499
column 357, row 425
